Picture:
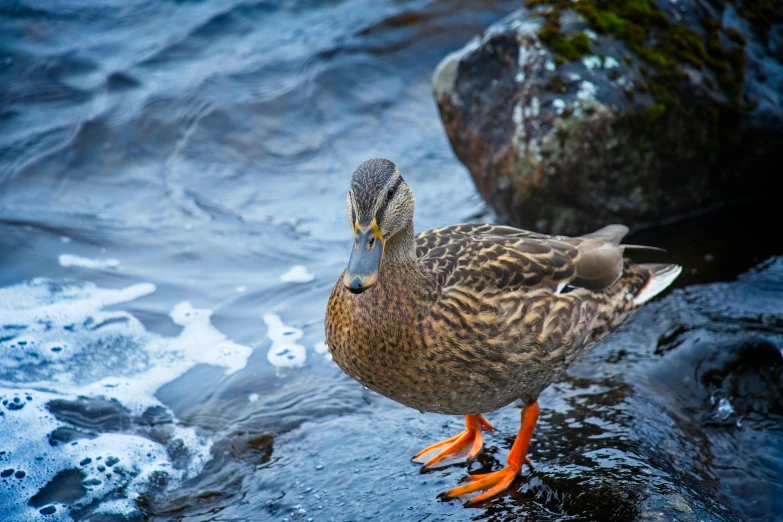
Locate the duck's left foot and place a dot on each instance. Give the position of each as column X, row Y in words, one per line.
column 499, row 481
column 495, row 482
column 470, row 437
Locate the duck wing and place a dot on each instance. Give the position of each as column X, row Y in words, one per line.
column 484, row 257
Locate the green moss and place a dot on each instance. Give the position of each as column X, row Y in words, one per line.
column 662, row 44
column 563, row 47
column 609, row 22
column 655, row 111
column 568, row 47
column 581, row 42
column 651, row 55
column 572, row 48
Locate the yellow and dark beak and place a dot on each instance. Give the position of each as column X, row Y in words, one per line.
column 365, row 262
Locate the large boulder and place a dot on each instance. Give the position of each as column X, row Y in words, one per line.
column 571, row 115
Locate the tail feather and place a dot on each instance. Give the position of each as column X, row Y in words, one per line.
column 663, row 275
column 642, row 247
column 611, row 233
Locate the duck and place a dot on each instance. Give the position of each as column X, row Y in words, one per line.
column 469, row 318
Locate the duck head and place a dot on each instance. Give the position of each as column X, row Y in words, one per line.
column 380, row 204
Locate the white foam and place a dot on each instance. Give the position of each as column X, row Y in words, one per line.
column 297, row 274
column 200, row 342
column 285, row 352
column 58, row 342
column 321, row 347
column 68, row 260
column 25, row 431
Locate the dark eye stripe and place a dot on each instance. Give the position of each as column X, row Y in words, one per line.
column 353, row 207
column 382, row 210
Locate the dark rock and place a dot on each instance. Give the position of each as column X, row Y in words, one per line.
column 253, row 448
column 100, row 415
column 66, row 487
column 572, row 115
column 154, row 416
column 65, row 435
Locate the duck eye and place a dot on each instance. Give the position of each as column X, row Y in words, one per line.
column 390, row 193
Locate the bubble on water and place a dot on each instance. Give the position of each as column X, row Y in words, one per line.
column 724, row 409
column 297, row 274
column 321, row 347
column 285, row 352
column 253, row 397
column 69, row 260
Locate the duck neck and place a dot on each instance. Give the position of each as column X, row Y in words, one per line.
column 401, row 274
column 400, row 249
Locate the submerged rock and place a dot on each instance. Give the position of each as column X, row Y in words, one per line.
column 571, row 115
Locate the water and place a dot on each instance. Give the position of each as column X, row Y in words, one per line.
column 172, row 188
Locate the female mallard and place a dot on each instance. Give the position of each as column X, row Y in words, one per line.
column 468, row 318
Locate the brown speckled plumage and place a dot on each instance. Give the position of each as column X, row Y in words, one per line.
column 475, row 323
column 467, row 318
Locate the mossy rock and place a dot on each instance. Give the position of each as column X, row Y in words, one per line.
column 571, row 115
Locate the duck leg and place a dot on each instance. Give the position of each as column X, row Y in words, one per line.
column 470, row 437
column 498, row 481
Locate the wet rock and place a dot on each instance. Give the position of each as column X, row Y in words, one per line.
column 66, row 487
column 92, row 414
column 65, row 435
column 253, row 448
column 571, row 115
column 155, row 416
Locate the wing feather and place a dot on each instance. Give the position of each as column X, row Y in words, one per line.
column 486, row 257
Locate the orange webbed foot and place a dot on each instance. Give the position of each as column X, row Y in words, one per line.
column 495, row 482
column 499, row 481
column 471, row 436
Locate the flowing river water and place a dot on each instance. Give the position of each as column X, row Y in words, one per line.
column 172, row 190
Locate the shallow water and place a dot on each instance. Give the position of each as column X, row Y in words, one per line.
column 172, row 187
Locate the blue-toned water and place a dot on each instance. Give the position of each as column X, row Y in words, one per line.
column 172, row 191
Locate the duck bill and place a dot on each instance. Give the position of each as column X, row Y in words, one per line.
column 365, row 262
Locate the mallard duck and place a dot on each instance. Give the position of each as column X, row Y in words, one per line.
column 468, row 318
